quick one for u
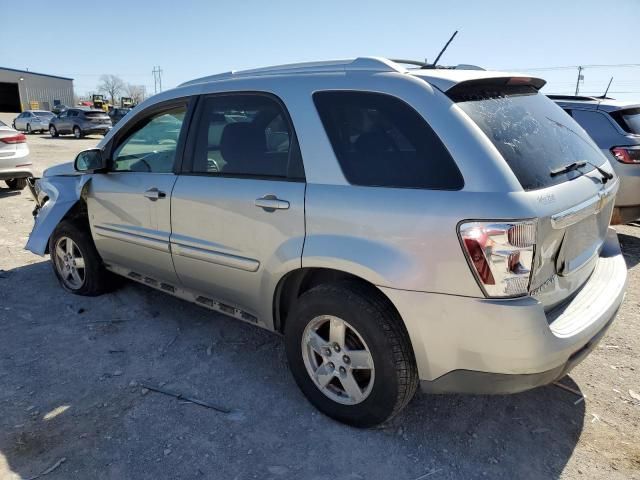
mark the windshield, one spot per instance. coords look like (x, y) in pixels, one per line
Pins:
(534, 136)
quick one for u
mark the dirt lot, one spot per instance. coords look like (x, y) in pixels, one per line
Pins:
(71, 398)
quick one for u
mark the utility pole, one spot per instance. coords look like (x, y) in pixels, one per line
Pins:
(157, 79)
(580, 77)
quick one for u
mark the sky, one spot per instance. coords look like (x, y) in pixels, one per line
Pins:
(190, 39)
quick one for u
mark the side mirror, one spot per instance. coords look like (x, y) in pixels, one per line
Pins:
(90, 160)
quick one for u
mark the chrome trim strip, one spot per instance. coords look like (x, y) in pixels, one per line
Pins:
(136, 239)
(584, 209)
(218, 258)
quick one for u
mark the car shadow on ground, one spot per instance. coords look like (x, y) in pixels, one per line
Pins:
(630, 248)
(71, 376)
(7, 192)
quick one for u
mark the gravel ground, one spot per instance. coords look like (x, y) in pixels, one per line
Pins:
(72, 401)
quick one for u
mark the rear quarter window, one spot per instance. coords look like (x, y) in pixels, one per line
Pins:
(381, 141)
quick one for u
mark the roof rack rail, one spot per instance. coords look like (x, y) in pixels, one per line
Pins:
(375, 64)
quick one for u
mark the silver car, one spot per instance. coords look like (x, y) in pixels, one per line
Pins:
(445, 228)
(615, 127)
(15, 165)
(31, 121)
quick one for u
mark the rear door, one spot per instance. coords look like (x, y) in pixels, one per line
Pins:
(129, 207)
(237, 213)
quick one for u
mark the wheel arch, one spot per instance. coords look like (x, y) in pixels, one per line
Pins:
(296, 282)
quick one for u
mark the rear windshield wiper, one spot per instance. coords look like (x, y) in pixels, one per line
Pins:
(576, 165)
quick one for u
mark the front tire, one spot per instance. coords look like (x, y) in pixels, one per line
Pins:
(52, 131)
(29, 132)
(77, 132)
(76, 262)
(350, 353)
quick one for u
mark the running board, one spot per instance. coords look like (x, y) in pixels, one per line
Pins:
(187, 295)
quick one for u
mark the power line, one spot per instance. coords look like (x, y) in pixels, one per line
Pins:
(573, 67)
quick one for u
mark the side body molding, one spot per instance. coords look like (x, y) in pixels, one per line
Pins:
(63, 192)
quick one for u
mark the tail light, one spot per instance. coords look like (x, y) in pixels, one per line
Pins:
(18, 138)
(500, 255)
(627, 154)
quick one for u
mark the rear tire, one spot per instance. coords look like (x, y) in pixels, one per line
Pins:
(16, 183)
(77, 132)
(385, 380)
(53, 132)
(76, 262)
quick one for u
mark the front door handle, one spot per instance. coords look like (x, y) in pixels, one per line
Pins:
(271, 203)
(154, 194)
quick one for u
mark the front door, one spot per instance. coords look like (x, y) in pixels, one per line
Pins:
(238, 214)
(129, 207)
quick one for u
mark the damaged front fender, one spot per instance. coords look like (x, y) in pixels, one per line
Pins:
(58, 194)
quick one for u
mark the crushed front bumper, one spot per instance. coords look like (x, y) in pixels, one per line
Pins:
(476, 345)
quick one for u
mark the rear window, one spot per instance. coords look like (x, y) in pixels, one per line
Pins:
(94, 114)
(379, 140)
(629, 120)
(43, 114)
(533, 134)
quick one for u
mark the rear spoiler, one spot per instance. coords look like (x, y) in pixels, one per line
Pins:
(494, 86)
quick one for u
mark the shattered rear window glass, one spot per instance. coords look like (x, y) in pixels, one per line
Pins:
(533, 135)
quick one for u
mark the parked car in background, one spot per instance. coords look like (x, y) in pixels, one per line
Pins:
(33, 121)
(117, 113)
(399, 226)
(57, 109)
(15, 166)
(80, 122)
(615, 127)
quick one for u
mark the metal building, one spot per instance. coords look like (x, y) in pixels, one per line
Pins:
(23, 90)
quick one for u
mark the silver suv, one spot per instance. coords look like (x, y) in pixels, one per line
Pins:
(441, 227)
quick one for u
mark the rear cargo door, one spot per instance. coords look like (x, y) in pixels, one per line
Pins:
(539, 142)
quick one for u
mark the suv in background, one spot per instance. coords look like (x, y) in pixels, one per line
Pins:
(80, 122)
(399, 226)
(117, 113)
(615, 127)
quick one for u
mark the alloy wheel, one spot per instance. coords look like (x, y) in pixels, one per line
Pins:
(338, 360)
(69, 263)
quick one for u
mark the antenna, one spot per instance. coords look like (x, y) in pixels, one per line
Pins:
(604, 95)
(435, 62)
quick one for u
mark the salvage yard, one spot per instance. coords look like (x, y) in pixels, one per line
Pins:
(82, 382)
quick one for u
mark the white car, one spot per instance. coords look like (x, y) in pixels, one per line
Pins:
(33, 121)
(15, 166)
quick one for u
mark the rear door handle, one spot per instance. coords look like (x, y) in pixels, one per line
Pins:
(154, 194)
(271, 203)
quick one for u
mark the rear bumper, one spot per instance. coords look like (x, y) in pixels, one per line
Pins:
(475, 345)
(18, 173)
(88, 129)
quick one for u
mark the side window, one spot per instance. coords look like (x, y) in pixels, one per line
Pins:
(151, 147)
(568, 112)
(73, 113)
(379, 140)
(245, 135)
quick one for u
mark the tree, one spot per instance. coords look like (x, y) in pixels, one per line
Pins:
(112, 86)
(137, 92)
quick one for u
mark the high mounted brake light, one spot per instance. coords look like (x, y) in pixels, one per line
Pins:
(500, 255)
